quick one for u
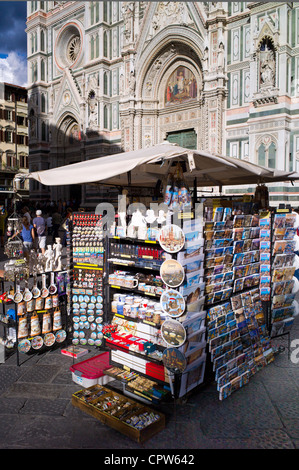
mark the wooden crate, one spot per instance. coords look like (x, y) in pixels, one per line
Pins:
(91, 408)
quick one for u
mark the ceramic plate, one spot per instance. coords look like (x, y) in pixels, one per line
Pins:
(173, 333)
(24, 345)
(37, 342)
(49, 339)
(172, 303)
(174, 360)
(60, 336)
(171, 238)
(172, 273)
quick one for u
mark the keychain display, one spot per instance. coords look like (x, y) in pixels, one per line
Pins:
(88, 239)
(87, 290)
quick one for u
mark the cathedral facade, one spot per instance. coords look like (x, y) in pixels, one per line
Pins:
(106, 77)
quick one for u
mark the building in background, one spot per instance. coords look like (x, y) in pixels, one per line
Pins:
(112, 76)
(13, 139)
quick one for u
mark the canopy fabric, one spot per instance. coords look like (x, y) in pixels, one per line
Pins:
(145, 166)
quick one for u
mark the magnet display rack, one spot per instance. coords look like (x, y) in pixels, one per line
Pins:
(87, 279)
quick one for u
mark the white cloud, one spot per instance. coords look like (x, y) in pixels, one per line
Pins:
(13, 69)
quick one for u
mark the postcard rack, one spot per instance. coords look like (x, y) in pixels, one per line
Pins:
(280, 308)
(237, 334)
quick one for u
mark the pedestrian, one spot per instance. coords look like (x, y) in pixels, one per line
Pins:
(56, 222)
(26, 213)
(28, 236)
(49, 223)
(3, 215)
(66, 224)
(40, 226)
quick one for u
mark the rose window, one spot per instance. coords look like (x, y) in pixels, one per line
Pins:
(73, 48)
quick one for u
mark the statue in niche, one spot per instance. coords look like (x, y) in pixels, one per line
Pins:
(220, 57)
(267, 67)
(92, 119)
(132, 83)
(205, 59)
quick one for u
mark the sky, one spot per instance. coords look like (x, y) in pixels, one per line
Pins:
(13, 42)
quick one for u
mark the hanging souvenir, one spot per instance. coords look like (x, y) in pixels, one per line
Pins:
(57, 325)
(18, 297)
(39, 303)
(37, 342)
(30, 306)
(45, 291)
(21, 308)
(46, 326)
(24, 346)
(171, 238)
(35, 290)
(27, 296)
(172, 303)
(60, 279)
(60, 336)
(173, 333)
(174, 360)
(35, 326)
(168, 190)
(48, 303)
(172, 273)
(49, 339)
(52, 288)
(55, 301)
(23, 327)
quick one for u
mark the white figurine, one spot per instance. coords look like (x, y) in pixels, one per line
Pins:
(49, 255)
(58, 251)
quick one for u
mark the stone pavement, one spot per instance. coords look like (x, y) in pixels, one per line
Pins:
(36, 410)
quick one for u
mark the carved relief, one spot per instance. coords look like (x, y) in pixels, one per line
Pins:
(168, 13)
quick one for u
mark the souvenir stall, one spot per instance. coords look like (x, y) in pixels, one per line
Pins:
(174, 293)
(33, 314)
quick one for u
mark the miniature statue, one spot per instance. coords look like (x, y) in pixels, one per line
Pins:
(49, 256)
(57, 247)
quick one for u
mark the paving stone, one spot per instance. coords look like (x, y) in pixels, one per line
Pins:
(292, 427)
(10, 406)
(42, 432)
(39, 374)
(8, 375)
(31, 390)
(44, 406)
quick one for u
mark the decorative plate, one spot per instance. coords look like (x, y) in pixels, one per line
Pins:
(60, 336)
(37, 342)
(24, 346)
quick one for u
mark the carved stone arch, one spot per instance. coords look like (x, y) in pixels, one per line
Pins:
(64, 128)
(173, 55)
(180, 37)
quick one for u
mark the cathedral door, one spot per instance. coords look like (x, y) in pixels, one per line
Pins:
(185, 138)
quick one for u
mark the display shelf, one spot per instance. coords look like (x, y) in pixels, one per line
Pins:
(135, 240)
(138, 320)
(119, 412)
(135, 291)
(135, 265)
(113, 345)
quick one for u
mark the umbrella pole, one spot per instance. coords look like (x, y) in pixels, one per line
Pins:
(194, 192)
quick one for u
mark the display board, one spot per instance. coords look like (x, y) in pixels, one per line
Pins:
(87, 296)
